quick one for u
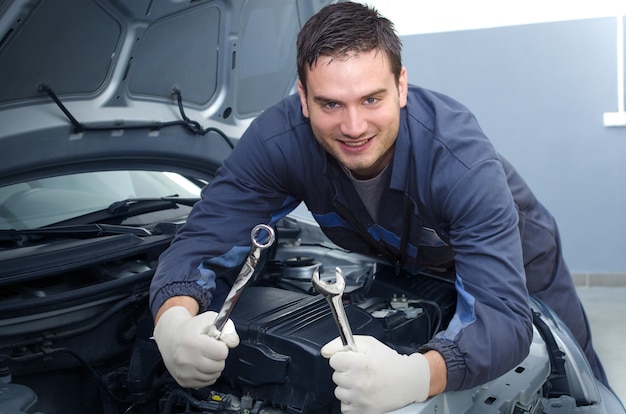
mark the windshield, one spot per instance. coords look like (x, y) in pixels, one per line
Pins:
(42, 202)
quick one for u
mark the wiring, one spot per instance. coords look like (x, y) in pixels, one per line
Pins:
(51, 351)
(192, 126)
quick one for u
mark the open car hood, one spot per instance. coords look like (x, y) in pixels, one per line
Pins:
(164, 85)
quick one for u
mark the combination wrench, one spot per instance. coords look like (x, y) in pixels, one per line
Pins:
(333, 292)
(244, 274)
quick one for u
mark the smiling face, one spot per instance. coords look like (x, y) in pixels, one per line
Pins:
(353, 104)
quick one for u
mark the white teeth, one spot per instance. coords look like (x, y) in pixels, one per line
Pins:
(355, 144)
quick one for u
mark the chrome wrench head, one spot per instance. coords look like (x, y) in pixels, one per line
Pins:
(256, 231)
(333, 292)
(328, 288)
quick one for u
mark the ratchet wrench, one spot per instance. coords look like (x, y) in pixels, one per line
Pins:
(333, 292)
(244, 275)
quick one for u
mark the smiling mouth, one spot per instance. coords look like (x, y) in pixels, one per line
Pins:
(355, 144)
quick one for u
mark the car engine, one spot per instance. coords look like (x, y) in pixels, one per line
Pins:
(75, 334)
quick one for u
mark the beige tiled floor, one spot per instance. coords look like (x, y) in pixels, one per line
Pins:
(606, 310)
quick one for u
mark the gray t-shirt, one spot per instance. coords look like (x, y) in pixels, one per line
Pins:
(370, 190)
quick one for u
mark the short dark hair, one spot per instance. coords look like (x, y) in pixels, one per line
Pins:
(343, 28)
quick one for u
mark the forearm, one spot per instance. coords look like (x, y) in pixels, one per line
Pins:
(187, 302)
(438, 372)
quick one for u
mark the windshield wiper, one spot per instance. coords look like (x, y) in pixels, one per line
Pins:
(130, 207)
(83, 231)
(124, 206)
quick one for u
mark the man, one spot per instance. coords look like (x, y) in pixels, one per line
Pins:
(388, 169)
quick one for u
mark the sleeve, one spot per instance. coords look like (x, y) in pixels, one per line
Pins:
(211, 246)
(491, 330)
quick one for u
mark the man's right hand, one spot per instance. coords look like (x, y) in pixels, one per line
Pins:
(188, 346)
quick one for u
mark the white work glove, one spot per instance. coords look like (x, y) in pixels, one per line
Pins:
(188, 346)
(375, 378)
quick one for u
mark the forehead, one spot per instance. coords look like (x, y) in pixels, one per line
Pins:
(371, 56)
(349, 72)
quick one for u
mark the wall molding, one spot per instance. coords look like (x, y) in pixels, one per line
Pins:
(599, 279)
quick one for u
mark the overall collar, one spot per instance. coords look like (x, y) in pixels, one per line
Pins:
(401, 163)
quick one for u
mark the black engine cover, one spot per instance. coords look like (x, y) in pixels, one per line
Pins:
(282, 332)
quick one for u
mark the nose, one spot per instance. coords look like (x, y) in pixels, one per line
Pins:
(353, 123)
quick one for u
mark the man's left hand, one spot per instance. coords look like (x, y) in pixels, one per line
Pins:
(376, 378)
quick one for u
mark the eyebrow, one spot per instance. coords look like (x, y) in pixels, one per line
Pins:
(322, 99)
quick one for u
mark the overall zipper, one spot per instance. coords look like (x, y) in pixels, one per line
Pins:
(373, 243)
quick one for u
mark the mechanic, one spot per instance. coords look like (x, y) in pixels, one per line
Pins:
(389, 169)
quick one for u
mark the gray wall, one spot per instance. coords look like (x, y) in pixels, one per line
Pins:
(539, 92)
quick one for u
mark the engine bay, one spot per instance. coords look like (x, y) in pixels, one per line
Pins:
(79, 340)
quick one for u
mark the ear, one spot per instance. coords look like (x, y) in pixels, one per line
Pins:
(302, 93)
(403, 87)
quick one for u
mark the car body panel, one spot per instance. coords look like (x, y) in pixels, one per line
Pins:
(116, 65)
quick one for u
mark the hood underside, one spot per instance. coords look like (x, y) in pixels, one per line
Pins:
(91, 83)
